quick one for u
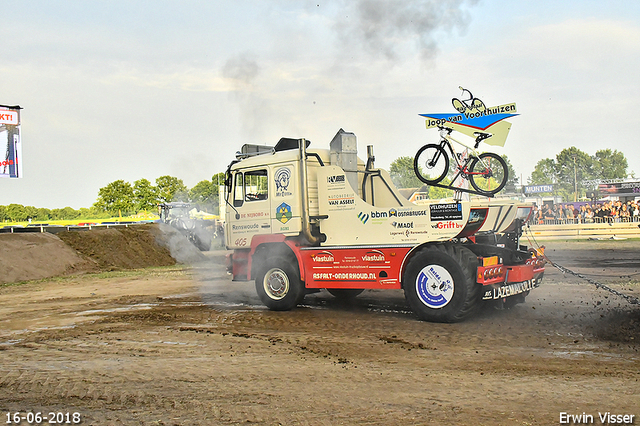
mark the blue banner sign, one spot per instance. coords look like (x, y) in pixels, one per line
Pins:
(536, 189)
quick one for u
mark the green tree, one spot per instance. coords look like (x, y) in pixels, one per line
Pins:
(572, 167)
(544, 173)
(56, 214)
(16, 213)
(116, 198)
(85, 213)
(218, 180)
(513, 179)
(31, 212)
(92, 213)
(145, 195)
(69, 213)
(205, 194)
(435, 192)
(610, 164)
(43, 214)
(402, 174)
(171, 189)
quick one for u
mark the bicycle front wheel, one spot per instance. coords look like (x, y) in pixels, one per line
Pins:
(478, 105)
(488, 173)
(431, 163)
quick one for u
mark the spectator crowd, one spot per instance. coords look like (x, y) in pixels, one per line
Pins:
(600, 212)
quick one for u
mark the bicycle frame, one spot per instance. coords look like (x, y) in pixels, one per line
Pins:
(445, 140)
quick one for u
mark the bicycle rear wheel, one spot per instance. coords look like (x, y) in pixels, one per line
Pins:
(431, 163)
(488, 173)
(458, 105)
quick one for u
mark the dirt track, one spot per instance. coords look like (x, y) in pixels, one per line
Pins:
(179, 346)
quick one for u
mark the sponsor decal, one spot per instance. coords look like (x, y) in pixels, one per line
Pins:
(374, 256)
(376, 217)
(364, 217)
(478, 119)
(448, 211)
(283, 212)
(336, 179)
(409, 232)
(252, 215)
(282, 178)
(446, 225)
(403, 225)
(434, 289)
(323, 256)
(406, 213)
(342, 202)
(244, 227)
(510, 289)
(351, 276)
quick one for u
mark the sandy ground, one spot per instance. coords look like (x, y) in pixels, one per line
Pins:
(178, 345)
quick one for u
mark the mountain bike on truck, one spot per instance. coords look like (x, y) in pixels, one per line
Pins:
(299, 220)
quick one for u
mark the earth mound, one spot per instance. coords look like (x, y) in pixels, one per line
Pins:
(32, 256)
(112, 249)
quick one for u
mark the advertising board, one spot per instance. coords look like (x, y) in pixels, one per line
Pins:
(11, 161)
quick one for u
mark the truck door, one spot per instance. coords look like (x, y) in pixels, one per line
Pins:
(250, 199)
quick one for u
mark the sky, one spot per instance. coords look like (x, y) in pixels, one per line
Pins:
(140, 89)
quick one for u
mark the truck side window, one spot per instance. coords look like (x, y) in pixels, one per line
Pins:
(256, 185)
(238, 190)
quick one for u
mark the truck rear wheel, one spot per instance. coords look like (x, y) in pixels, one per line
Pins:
(278, 284)
(439, 283)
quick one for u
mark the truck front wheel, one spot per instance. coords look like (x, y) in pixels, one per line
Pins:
(439, 283)
(278, 284)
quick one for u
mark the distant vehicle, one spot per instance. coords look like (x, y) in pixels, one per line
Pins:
(178, 215)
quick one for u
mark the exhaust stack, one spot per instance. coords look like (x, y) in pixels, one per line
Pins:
(344, 153)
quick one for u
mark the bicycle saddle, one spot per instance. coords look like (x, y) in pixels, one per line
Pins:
(480, 136)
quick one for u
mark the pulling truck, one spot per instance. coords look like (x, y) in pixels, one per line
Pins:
(299, 220)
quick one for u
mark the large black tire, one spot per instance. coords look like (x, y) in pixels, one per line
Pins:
(345, 293)
(431, 163)
(493, 177)
(278, 284)
(202, 240)
(439, 283)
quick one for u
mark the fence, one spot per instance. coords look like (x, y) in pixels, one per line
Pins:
(606, 220)
(54, 229)
(556, 229)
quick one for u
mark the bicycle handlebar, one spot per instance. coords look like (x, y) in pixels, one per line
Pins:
(466, 90)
